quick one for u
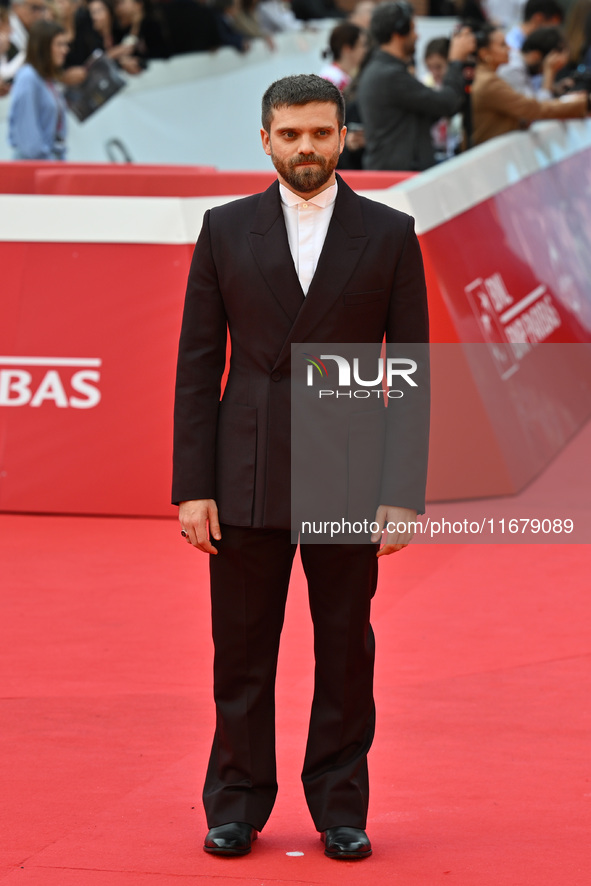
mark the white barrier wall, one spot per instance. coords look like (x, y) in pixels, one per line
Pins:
(201, 109)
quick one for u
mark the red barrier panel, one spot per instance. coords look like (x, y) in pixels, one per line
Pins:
(131, 180)
(85, 395)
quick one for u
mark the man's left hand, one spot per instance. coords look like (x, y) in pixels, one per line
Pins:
(401, 521)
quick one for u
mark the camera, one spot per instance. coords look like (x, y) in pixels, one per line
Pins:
(582, 80)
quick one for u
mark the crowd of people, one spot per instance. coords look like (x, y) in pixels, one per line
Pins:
(482, 81)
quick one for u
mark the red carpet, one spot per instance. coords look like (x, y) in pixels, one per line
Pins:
(480, 769)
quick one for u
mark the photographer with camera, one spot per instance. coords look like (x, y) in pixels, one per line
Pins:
(396, 109)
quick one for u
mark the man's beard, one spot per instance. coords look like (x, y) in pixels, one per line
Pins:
(306, 178)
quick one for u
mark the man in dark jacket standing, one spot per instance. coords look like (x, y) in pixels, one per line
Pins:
(306, 261)
(397, 110)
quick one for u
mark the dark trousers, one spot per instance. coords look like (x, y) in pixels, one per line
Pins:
(249, 582)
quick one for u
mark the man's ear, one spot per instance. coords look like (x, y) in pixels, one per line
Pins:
(342, 135)
(266, 140)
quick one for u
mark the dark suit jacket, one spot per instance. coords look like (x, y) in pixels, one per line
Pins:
(369, 283)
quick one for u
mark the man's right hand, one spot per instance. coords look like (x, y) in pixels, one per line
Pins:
(200, 520)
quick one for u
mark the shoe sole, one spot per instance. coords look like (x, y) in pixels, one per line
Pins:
(348, 856)
(228, 852)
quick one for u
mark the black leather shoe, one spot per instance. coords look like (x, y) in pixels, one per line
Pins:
(346, 842)
(234, 838)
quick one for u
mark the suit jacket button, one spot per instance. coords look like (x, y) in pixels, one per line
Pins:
(276, 376)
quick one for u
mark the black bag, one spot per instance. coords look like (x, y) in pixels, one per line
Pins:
(104, 80)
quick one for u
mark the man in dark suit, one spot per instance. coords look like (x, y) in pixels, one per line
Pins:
(306, 261)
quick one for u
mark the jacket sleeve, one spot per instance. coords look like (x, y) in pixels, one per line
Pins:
(201, 362)
(502, 98)
(404, 475)
(414, 96)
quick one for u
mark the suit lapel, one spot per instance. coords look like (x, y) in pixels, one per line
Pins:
(270, 247)
(344, 245)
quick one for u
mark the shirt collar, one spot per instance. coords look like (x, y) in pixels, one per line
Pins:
(323, 199)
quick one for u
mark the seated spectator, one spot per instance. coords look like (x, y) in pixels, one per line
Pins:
(447, 132)
(347, 48)
(396, 109)
(37, 118)
(229, 35)
(536, 14)
(543, 54)
(11, 58)
(192, 26)
(141, 25)
(496, 107)
(95, 29)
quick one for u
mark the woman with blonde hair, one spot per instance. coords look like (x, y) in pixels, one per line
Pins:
(37, 117)
(496, 107)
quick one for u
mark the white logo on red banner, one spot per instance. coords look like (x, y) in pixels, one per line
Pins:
(62, 382)
(511, 328)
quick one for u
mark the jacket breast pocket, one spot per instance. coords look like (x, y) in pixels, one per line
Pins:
(236, 463)
(362, 298)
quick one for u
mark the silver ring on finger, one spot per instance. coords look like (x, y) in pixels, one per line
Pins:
(184, 533)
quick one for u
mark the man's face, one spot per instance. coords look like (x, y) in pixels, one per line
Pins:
(304, 144)
(410, 41)
(30, 12)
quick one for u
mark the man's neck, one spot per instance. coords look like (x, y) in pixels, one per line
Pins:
(395, 49)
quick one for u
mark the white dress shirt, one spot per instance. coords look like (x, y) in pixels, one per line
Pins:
(307, 222)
